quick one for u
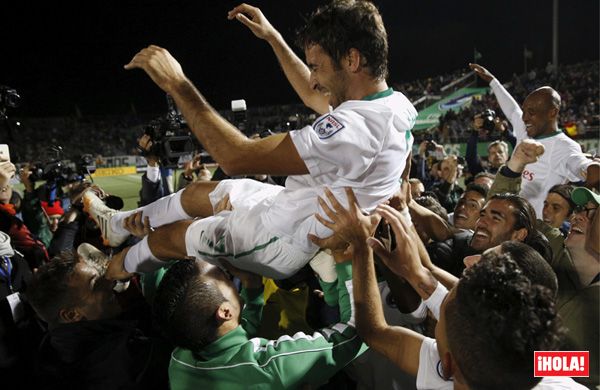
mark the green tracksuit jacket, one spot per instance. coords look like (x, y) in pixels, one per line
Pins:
(237, 361)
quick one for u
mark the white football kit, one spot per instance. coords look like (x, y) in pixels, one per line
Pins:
(362, 144)
(562, 161)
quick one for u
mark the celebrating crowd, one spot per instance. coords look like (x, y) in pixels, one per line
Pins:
(330, 256)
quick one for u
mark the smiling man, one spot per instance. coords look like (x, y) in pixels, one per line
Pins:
(92, 342)
(578, 273)
(503, 217)
(362, 140)
(537, 119)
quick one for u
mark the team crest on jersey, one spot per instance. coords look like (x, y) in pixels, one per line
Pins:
(327, 126)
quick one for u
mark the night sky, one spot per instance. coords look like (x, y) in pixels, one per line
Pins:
(60, 56)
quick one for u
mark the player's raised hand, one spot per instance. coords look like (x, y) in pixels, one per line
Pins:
(254, 19)
(160, 65)
(482, 72)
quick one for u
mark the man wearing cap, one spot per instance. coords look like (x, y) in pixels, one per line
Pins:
(575, 260)
(54, 213)
(578, 275)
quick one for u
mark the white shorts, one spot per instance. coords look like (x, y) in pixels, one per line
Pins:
(239, 236)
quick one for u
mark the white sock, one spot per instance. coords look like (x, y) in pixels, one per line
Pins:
(165, 210)
(140, 258)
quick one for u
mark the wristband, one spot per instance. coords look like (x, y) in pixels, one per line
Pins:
(324, 265)
(434, 302)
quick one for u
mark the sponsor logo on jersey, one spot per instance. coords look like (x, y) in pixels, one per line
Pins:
(528, 175)
(327, 126)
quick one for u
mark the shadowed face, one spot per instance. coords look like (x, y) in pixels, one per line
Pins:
(325, 76)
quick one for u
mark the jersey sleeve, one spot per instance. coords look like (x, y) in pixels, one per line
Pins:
(429, 375)
(571, 162)
(343, 142)
(252, 311)
(511, 109)
(313, 359)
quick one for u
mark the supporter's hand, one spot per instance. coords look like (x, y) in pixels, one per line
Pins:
(7, 172)
(257, 22)
(24, 174)
(477, 122)
(137, 225)
(145, 143)
(248, 279)
(189, 167)
(401, 199)
(350, 226)
(116, 269)
(527, 152)
(404, 260)
(482, 72)
(224, 204)
(160, 65)
(450, 168)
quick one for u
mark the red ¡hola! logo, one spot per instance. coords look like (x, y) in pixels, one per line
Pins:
(561, 363)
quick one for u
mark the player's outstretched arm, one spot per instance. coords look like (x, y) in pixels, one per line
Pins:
(235, 153)
(294, 68)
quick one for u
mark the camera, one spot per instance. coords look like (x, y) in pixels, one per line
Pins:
(170, 137)
(430, 145)
(55, 170)
(9, 97)
(488, 117)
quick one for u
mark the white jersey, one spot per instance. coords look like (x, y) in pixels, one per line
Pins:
(562, 161)
(362, 144)
(430, 376)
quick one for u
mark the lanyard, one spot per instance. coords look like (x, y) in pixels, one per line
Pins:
(6, 270)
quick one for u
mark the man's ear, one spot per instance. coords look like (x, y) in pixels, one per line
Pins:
(66, 316)
(448, 365)
(353, 60)
(224, 312)
(520, 234)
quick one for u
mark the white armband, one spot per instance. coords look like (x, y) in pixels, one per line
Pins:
(324, 265)
(434, 302)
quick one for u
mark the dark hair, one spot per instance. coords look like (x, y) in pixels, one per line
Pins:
(432, 204)
(485, 174)
(185, 305)
(525, 218)
(565, 191)
(524, 212)
(49, 290)
(342, 25)
(532, 263)
(496, 321)
(477, 188)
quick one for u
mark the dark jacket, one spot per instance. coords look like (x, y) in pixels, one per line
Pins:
(103, 354)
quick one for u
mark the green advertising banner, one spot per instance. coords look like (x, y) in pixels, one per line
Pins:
(430, 116)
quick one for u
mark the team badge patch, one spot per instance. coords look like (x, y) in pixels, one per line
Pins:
(327, 126)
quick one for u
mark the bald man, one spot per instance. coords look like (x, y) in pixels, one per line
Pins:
(562, 160)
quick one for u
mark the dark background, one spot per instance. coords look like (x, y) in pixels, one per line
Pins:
(60, 56)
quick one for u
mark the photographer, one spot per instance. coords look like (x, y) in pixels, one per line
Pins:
(425, 164)
(448, 191)
(157, 181)
(21, 237)
(193, 170)
(487, 123)
(37, 220)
